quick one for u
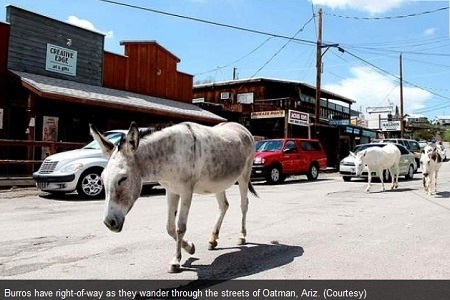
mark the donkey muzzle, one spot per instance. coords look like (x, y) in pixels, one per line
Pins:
(114, 223)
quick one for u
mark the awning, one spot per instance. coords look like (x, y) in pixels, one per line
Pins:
(75, 92)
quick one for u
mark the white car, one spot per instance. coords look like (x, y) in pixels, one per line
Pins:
(407, 163)
(78, 170)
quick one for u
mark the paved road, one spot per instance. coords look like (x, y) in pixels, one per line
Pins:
(328, 229)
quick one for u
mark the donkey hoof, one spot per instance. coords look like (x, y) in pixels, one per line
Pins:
(241, 241)
(212, 245)
(191, 248)
(174, 268)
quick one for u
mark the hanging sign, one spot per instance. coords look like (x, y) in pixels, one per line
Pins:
(61, 60)
(390, 125)
(298, 118)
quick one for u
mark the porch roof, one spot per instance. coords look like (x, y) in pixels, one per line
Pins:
(75, 92)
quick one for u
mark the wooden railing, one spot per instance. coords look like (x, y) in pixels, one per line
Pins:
(31, 145)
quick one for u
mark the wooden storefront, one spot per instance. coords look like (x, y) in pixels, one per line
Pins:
(59, 74)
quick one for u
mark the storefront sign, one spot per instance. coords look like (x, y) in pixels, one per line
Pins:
(390, 125)
(198, 100)
(298, 118)
(339, 122)
(268, 114)
(61, 60)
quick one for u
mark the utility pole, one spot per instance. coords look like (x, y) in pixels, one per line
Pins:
(318, 74)
(234, 73)
(402, 127)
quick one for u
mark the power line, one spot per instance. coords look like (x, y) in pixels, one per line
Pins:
(208, 22)
(236, 61)
(282, 47)
(389, 17)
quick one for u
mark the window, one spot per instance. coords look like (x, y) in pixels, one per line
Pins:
(225, 95)
(291, 146)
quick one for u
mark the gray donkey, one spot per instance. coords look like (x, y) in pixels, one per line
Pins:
(186, 158)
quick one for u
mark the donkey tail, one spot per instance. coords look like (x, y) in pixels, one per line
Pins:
(252, 189)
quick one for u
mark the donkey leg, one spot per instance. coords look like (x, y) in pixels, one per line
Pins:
(369, 179)
(172, 201)
(397, 172)
(381, 172)
(243, 189)
(223, 207)
(435, 181)
(180, 231)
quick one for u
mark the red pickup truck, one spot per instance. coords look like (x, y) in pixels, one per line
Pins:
(276, 159)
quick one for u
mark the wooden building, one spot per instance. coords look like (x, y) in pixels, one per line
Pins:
(56, 78)
(273, 108)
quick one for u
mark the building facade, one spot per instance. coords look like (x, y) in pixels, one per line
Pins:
(56, 78)
(273, 108)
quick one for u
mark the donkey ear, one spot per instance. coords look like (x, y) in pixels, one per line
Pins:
(132, 139)
(104, 143)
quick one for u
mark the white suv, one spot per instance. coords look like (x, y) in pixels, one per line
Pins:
(78, 170)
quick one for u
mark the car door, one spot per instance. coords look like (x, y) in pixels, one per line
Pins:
(290, 156)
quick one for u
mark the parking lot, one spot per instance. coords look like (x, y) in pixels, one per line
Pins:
(325, 229)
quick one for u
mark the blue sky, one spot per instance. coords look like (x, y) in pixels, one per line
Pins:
(366, 71)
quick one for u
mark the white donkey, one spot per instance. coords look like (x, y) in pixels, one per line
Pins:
(378, 159)
(186, 158)
(430, 162)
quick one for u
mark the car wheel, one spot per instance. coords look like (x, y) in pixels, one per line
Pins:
(410, 174)
(275, 175)
(90, 184)
(313, 172)
(346, 178)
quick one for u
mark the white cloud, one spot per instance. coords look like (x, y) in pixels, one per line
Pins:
(74, 20)
(371, 6)
(370, 88)
(430, 31)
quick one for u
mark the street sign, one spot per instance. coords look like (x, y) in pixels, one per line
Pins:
(390, 125)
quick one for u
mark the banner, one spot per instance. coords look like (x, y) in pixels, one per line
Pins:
(49, 133)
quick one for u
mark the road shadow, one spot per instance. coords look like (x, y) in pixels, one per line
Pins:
(443, 194)
(249, 259)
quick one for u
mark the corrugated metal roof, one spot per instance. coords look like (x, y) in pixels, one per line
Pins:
(48, 86)
(325, 93)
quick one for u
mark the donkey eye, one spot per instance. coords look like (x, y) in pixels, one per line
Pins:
(122, 180)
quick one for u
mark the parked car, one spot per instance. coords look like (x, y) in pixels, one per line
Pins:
(406, 166)
(78, 170)
(276, 159)
(411, 145)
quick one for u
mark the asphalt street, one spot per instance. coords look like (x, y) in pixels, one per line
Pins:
(327, 229)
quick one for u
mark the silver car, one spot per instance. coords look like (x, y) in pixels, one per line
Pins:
(407, 163)
(77, 170)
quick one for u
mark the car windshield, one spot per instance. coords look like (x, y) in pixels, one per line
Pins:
(365, 146)
(269, 146)
(113, 137)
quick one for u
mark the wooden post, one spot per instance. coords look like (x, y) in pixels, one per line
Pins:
(402, 128)
(30, 131)
(318, 73)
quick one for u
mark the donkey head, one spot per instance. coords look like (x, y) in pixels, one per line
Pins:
(359, 161)
(428, 160)
(121, 176)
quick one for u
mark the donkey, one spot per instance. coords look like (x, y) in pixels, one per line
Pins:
(378, 159)
(185, 158)
(431, 162)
